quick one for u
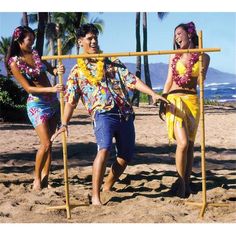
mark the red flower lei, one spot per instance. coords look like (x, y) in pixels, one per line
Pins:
(185, 79)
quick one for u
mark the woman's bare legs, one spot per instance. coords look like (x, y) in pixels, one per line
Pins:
(42, 154)
(181, 157)
(189, 167)
(47, 164)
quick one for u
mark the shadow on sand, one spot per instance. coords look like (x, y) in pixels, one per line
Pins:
(82, 155)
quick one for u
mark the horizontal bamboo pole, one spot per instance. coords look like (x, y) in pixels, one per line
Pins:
(129, 54)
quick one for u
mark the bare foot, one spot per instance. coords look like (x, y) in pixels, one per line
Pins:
(106, 189)
(96, 202)
(37, 185)
(107, 186)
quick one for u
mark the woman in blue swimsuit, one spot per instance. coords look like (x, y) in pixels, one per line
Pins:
(42, 105)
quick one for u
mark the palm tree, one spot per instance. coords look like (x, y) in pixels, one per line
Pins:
(69, 23)
(145, 58)
(42, 21)
(51, 36)
(135, 98)
(40, 18)
(160, 15)
(4, 45)
(25, 21)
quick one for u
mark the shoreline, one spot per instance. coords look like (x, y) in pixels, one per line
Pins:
(212, 105)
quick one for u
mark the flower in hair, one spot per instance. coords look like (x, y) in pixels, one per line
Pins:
(17, 33)
(191, 28)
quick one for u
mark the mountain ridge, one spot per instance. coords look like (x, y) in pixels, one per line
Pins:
(158, 73)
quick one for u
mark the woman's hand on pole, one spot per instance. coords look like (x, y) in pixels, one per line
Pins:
(62, 129)
(58, 88)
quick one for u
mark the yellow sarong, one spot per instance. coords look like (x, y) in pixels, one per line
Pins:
(185, 110)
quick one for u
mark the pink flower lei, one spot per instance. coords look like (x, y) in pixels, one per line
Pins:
(33, 72)
(185, 79)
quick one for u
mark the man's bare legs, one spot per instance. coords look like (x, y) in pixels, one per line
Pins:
(99, 167)
(117, 169)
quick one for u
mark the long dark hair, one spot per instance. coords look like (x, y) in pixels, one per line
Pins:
(18, 37)
(190, 29)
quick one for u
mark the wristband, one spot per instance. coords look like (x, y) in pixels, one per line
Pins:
(64, 125)
(164, 95)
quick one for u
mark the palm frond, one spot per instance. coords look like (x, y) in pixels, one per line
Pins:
(162, 15)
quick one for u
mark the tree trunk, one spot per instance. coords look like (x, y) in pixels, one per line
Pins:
(145, 58)
(135, 99)
(42, 20)
(25, 19)
(78, 21)
(51, 45)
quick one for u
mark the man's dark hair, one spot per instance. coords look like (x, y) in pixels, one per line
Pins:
(85, 29)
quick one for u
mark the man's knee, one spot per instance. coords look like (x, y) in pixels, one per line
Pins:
(122, 161)
(103, 153)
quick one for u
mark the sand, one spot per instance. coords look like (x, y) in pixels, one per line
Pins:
(142, 194)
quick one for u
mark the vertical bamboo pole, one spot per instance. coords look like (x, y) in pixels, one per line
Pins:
(204, 202)
(64, 145)
(202, 121)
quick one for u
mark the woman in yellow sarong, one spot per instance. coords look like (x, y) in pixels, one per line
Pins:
(182, 116)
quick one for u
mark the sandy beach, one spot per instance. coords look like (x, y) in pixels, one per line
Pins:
(142, 195)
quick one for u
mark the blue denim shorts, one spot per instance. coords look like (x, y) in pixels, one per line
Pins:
(108, 125)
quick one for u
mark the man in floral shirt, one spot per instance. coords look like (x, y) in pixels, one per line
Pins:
(104, 85)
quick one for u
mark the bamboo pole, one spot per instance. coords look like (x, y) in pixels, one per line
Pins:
(204, 202)
(202, 122)
(128, 54)
(64, 145)
(68, 206)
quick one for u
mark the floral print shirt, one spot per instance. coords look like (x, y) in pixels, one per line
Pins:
(114, 87)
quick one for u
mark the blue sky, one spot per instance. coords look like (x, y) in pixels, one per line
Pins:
(219, 30)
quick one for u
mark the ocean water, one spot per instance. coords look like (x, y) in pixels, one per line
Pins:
(220, 92)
